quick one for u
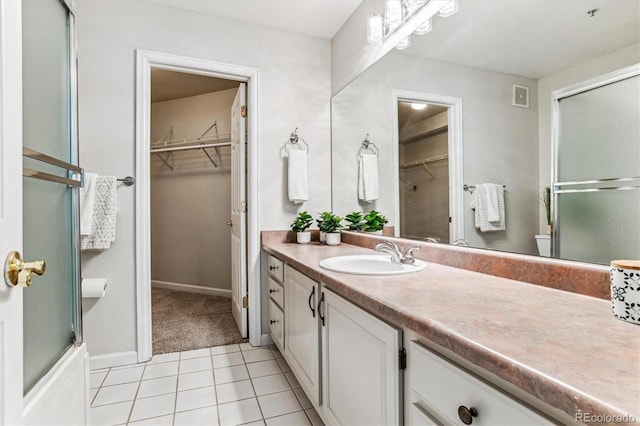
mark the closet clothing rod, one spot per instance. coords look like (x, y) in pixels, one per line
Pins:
(190, 147)
(426, 160)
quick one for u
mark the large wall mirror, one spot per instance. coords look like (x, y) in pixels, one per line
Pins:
(478, 117)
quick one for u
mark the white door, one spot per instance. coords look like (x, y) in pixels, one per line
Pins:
(238, 212)
(10, 209)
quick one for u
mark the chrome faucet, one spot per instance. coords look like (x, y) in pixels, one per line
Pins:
(397, 256)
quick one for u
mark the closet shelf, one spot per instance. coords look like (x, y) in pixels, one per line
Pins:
(191, 143)
(424, 161)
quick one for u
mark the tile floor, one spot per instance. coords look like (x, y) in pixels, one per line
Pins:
(223, 385)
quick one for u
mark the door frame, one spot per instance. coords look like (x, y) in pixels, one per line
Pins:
(456, 205)
(145, 59)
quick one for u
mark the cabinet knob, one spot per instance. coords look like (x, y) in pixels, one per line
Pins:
(271, 268)
(273, 290)
(273, 321)
(467, 414)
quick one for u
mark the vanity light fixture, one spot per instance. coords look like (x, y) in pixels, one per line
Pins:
(417, 106)
(396, 13)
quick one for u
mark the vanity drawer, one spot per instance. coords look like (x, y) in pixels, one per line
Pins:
(442, 389)
(276, 269)
(276, 292)
(276, 324)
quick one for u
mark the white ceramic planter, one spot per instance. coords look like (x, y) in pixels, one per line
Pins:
(303, 237)
(323, 237)
(333, 239)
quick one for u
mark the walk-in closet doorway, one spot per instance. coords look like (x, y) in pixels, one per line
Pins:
(193, 277)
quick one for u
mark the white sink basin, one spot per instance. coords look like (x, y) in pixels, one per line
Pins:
(370, 264)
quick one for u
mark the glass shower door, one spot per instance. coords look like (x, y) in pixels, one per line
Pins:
(597, 185)
(50, 211)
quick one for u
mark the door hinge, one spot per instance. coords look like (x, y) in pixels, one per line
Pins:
(402, 359)
(449, 219)
(245, 302)
(243, 207)
(243, 111)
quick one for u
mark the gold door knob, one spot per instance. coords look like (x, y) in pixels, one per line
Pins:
(17, 272)
(230, 224)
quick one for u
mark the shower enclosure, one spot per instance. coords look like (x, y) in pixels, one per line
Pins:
(596, 190)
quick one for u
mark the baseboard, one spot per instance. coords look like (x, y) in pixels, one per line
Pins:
(266, 339)
(191, 288)
(115, 359)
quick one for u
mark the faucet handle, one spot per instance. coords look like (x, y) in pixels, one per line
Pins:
(407, 255)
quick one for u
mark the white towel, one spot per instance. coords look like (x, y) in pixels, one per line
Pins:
(87, 197)
(488, 202)
(368, 177)
(105, 207)
(298, 191)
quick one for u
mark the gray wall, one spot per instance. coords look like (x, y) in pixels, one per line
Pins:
(294, 91)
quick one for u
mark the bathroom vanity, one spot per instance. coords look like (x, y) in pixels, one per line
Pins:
(448, 345)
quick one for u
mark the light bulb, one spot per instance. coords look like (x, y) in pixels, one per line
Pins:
(392, 14)
(375, 29)
(412, 6)
(404, 43)
(450, 8)
(417, 106)
(423, 28)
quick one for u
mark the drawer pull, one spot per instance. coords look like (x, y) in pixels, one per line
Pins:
(271, 268)
(273, 290)
(467, 414)
(274, 321)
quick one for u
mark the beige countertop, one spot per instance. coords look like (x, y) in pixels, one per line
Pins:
(565, 349)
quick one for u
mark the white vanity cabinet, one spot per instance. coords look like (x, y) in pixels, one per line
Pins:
(276, 301)
(302, 331)
(441, 392)
(361, 374)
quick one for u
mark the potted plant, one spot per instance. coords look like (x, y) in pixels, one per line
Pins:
(374, 222)
(546, 199)
(331, 225)
(355, 221)
(324, 216)
(300, 226)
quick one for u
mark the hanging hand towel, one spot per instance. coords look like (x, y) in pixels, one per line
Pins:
(298, 192)
(105, 207)
(368, 177)
(488, 203)
(87, 197)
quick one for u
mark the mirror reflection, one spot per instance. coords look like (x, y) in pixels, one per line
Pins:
(500, 81)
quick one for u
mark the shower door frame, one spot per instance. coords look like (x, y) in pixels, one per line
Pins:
(556, 97)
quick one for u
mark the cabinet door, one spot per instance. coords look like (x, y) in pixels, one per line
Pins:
(361, 375)
(302, 334)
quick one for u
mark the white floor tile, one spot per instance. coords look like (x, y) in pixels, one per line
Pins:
(156, 421)
(277, 404)
(314, 417)
(173, 356)
(217, 350)
(123, 375)
(196, 353)
(153, 371)
(195, 364)
(257, 355)
(293, 419)
(154, 406)
(112, 414)
(239, 412)
(196, 398)
(292, 380)
(198, 379)
(227, 360)
(283, 364)
(230, 374)
(247, 347)
(303, 399)
(101, 370)
(263, 368)
(116, 393)
(207, 416)
(234, 391)
(270, 384)
(256, 423)
(97, 379)
(159, 386)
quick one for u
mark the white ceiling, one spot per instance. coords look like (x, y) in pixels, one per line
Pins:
(530, 38)
(318, 18)
(169, 85)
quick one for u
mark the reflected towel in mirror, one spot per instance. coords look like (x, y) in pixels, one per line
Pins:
(488, 202)
(368, 177)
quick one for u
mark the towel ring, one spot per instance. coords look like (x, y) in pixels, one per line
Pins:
(367, 145)
(293, 140)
